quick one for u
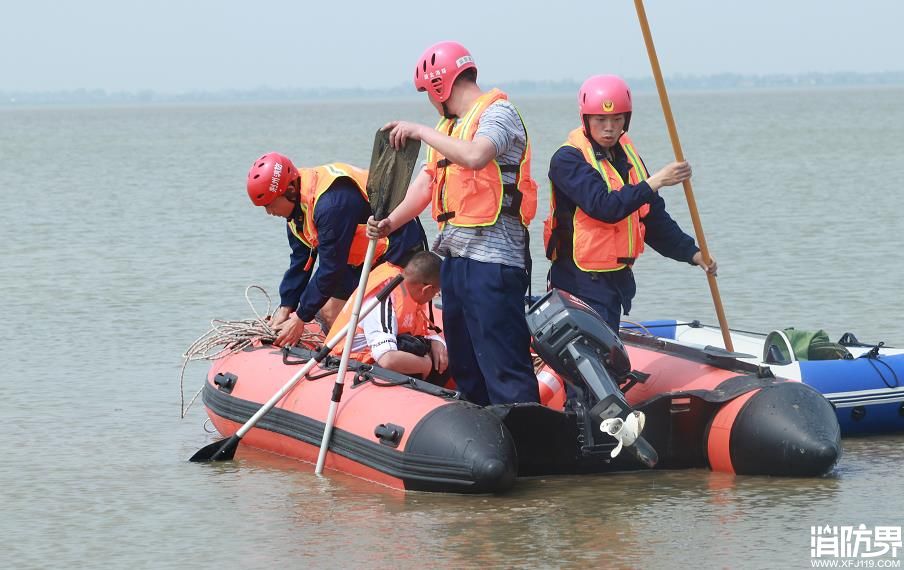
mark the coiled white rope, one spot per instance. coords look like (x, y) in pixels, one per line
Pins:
(225, 338)
(228, 337)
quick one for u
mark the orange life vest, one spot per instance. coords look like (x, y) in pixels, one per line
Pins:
(597, 245)
(409, 314)
(473, 198)
(316, 181)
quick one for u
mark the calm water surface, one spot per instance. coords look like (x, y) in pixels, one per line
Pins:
(124, 230)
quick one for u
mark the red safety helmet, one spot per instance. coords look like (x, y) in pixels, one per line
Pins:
(604, 95)
(438, 68)
(269, 178)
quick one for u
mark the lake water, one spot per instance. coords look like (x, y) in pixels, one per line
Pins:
(125, 230)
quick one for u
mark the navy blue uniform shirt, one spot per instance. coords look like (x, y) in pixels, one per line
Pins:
(577, 183)
(338, 212)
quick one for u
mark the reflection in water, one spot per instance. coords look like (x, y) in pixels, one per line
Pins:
(629, 519)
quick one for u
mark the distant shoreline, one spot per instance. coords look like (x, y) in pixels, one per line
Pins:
(717, 82)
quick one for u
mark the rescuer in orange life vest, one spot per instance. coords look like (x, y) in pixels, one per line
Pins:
(326, 208)
(399, 334)
(605, 206)
(478, 180)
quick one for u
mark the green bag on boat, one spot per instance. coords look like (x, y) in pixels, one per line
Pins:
(814, 345)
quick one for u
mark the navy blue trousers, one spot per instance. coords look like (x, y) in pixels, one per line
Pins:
(611, 312)
(486, 332)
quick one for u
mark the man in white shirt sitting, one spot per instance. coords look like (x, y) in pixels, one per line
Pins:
(399, 334)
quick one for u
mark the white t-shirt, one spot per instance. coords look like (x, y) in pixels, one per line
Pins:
(380, 327)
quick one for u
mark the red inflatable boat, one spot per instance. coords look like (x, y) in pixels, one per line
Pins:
(701, 408)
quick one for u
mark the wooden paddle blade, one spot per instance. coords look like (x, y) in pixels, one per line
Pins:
(389, 174)
(223, 450)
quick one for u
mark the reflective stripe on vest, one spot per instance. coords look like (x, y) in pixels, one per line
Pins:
(472, 198)
(596, 245)
(316, 181)
(409, 314)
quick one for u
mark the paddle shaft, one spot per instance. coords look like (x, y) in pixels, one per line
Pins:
(380, 194)
(224, 450)
(346, 353)
(679, 156)
(301, 373)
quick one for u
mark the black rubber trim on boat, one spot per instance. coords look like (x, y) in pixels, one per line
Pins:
(717, 357)
(418, 471)
(391, 377)
(773, 433)
(730, 388)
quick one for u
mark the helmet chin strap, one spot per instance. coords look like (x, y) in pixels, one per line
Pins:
(595, 144)
(446, 113)
(297, 212)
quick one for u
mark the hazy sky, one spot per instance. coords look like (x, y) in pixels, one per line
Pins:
(174, 46)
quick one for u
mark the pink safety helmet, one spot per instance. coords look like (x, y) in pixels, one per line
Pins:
(604, 95)
(438, 67)
(269, 178)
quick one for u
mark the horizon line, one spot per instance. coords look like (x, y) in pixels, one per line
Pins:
(718, 81)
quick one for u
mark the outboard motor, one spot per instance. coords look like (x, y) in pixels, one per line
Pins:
(572, 338)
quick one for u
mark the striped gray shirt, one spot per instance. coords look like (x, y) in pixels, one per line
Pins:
(504, 241)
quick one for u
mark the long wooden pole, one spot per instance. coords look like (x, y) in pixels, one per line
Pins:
(679, 156)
